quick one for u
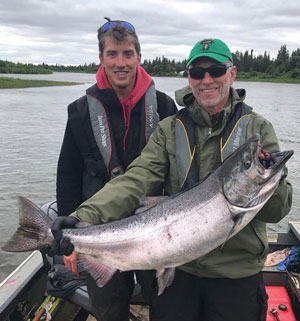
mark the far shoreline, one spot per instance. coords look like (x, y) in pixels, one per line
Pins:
(250, 79)
(14, 83)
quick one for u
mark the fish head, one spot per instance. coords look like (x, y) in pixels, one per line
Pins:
(247, 181)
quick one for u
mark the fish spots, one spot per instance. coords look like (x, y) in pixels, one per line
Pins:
(169, 235)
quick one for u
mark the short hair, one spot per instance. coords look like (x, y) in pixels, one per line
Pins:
(118, 33)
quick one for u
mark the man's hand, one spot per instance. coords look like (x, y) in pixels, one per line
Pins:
(71, 262)
(61, 246)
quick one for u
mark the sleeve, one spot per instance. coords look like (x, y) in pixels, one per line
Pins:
(280, 203)
(69, 175)
(120, 196)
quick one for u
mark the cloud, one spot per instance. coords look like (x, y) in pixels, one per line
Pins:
(65, 32)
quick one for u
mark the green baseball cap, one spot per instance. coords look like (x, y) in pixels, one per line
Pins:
(213, 48)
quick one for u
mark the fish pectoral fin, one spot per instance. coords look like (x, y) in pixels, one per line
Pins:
(148, 202)
(99, 272)
(165, 278)
(82, 224)
(237, 219)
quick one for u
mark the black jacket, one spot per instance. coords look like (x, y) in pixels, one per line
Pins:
(79, 176)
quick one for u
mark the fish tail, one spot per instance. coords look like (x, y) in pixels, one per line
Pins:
(33, 232)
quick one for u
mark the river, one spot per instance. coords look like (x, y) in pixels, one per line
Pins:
(32, 124)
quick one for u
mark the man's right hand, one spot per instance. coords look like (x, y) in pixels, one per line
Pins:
(61, 246)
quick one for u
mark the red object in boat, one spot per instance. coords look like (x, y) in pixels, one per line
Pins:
(278, 295)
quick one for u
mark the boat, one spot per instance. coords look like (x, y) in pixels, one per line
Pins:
(288, 282)
(23, 295)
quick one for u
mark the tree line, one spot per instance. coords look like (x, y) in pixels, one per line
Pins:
(285, 65)
(8, 67)
(248, 65)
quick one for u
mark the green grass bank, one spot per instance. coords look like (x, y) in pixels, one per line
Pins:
(7, 82)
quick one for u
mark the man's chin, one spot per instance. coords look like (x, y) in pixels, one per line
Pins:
(121, 85)
(209, 106)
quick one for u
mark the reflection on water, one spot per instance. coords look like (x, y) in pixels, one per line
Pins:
(32, 123)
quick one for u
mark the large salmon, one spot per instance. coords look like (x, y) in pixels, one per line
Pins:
(176, 230)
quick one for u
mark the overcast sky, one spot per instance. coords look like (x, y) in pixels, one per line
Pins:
(65, 31)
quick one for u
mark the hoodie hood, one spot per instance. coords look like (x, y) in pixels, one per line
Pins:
(142, 83)
(181, 93)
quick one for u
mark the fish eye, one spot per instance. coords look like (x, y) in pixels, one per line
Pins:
(247, 163)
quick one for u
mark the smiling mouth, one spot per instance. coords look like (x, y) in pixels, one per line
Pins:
(121, 73)
(207, 91)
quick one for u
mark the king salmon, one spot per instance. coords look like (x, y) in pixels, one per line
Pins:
(176, 230)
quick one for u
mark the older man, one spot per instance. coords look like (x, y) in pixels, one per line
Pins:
(225, 284)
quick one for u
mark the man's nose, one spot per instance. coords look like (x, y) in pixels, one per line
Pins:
(207, 78)
(121, 61)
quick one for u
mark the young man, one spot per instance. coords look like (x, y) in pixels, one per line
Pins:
(106, 130)
(225, 284)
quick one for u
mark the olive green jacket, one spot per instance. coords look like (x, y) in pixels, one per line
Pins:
(244, 254)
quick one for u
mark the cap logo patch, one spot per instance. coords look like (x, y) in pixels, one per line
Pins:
(206, 43)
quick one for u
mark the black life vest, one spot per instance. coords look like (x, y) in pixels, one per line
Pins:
(233, 136)
(103, 134)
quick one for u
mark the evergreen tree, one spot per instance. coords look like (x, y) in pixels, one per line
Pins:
(282, 59)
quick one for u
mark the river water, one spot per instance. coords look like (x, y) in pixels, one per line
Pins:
(32, 123)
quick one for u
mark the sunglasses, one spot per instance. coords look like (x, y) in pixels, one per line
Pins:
(214, 71)
(110, 24)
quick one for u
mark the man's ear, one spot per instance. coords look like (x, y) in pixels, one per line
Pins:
(139, 56)
(233, 72)
(100, 58)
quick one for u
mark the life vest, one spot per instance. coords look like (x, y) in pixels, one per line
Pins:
(233, 136)
(101, 126)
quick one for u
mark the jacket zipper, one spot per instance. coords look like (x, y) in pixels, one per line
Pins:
(127, 124)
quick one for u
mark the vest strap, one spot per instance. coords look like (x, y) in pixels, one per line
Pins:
(151, 113)
(93, 166)
(103, 136)
(185, 148)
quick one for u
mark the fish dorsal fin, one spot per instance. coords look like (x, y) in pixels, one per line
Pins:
(237, 219)
(99, 272)
(148, 202)
(165, 278)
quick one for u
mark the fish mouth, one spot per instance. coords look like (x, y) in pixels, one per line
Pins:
(269, 166)
(256, 176)
(270, 173)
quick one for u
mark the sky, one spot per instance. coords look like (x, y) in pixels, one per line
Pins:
(65, 31)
